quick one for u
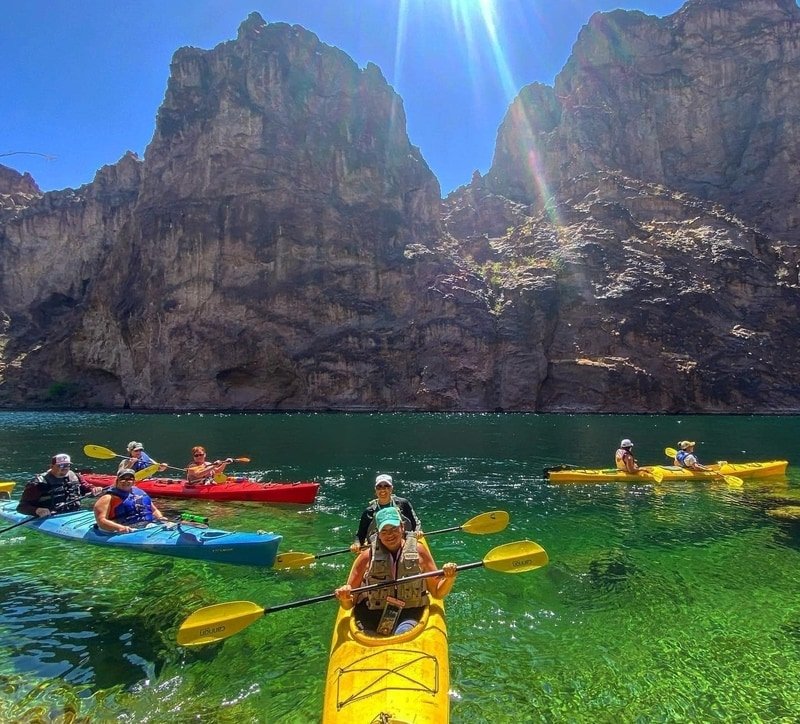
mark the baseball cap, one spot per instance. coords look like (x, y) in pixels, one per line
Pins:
(626, 443)
(62, 460)
(133, 445)
(387, 516)
(126, 474)
(683, 444)
(384, 479)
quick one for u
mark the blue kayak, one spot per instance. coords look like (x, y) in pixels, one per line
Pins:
(183, 541)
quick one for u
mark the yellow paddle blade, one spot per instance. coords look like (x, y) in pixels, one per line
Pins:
(670, 452)
(519, 557)
(733, 481)
(293, 559)
(491, 522)
(656, 473)
(215, 623)
(147, 472)
(97, 451)
(220, 478)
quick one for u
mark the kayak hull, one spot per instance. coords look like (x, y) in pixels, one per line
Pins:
(184, 541)
(403, 678)
(238, 489)
(741, 470)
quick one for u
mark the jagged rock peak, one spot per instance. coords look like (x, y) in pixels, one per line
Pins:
(251, 27)
(14, 182)
(705, 100)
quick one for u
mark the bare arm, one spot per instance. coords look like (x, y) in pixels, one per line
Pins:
(102, 507)
(438, 586)
(359, 570)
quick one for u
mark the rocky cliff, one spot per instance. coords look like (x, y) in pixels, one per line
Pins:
(282, 245)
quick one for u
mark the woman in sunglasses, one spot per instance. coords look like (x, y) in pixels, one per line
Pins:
(386, 498)
(202, 472)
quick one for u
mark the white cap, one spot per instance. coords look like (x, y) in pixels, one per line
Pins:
(384, 479)
(62, 459)
(626, 443)
(133, 445)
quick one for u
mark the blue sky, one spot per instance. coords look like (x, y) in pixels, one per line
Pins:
(82, 81)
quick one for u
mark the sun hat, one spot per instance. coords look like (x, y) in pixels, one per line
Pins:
(387, 516)
(683, 444)
(384, 479)
(626, 443)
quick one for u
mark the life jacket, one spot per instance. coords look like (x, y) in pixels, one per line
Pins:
(680, 458)
(382, 568)
(59, 494)
(127, 508)
(619, 458)
(143, 462)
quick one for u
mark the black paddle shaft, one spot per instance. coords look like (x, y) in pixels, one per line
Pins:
(373, 587)
(346, 550)
(36, 517)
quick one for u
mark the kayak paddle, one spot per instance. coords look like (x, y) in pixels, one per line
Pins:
(215, 623)
(147, 472)
(732, 480)
(483, 524)
(103, 453)
(654, 472)
(221, 477)
(36, 517)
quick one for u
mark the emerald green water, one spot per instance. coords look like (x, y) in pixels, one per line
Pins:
(665, 603)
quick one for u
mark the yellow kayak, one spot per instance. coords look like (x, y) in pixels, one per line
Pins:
(6, 488)
(610, 475)
(385, 679)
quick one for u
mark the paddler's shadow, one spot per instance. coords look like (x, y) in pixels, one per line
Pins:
(611, 571)
(787, 532)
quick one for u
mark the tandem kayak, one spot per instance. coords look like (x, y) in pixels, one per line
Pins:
(241, 489)
(403, 678)
(671, 472)
(183, 541)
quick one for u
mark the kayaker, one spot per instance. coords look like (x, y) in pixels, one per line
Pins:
(384, 490)
(139, 459)
(686, 458)
(624, 459)
(56, 491)
(393, 555)
(120, 507)
(200, 472)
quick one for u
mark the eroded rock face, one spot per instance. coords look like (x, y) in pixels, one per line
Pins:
(704, 101)
(282, 245)
(659, 301)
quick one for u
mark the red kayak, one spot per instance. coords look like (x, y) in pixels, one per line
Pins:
(241, 489)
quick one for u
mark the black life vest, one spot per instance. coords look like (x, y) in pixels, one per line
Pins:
(60, 495)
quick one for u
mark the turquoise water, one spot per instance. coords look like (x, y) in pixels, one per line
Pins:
(675, 602)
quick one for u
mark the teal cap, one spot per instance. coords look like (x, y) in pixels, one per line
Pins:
(387, 516)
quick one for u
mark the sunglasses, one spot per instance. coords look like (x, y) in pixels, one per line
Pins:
(199, 455)
(382, 485)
